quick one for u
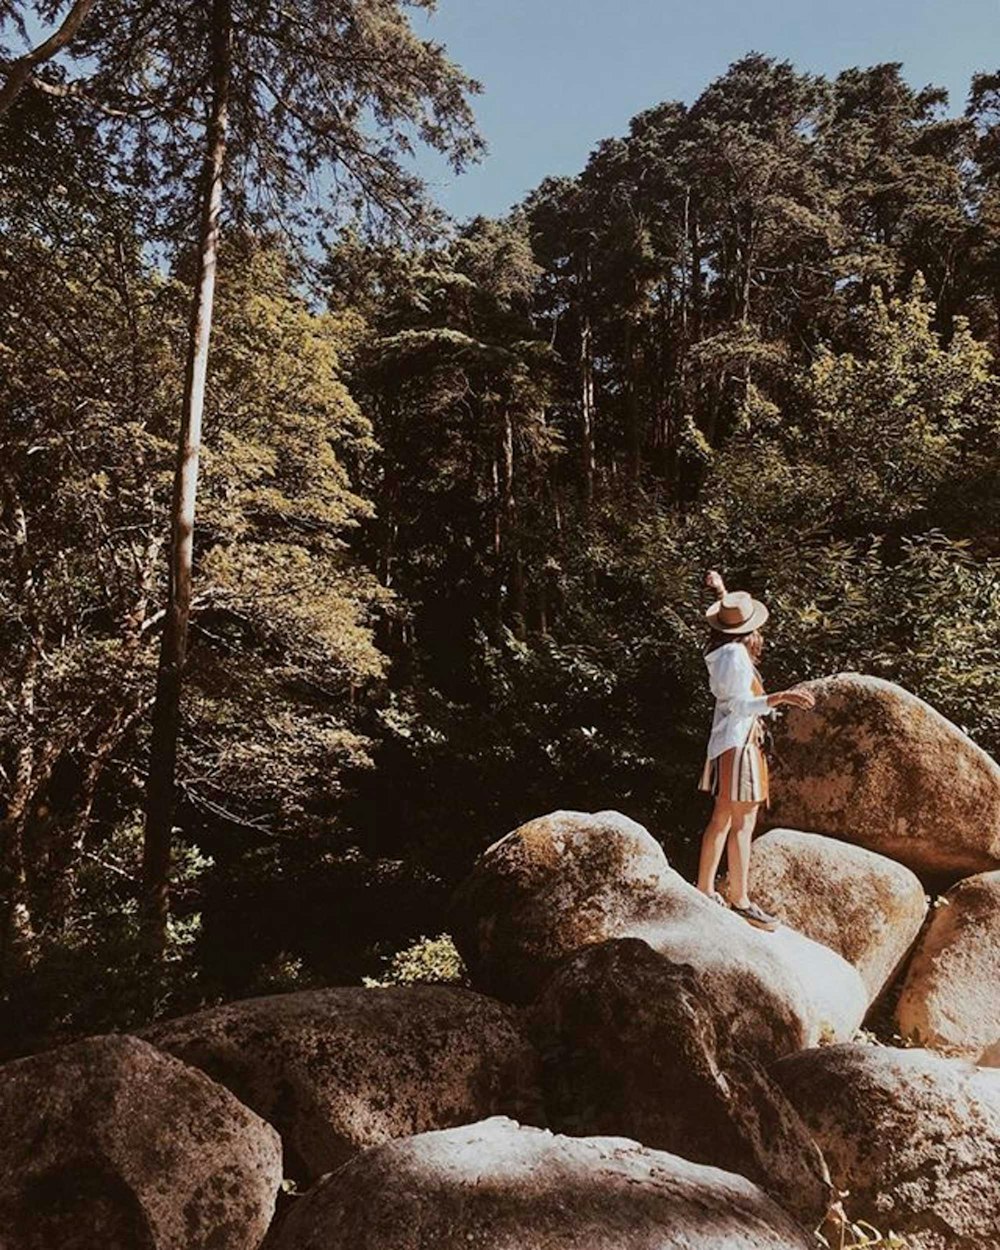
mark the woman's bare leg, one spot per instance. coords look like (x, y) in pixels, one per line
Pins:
(713, 841)
(738, 852)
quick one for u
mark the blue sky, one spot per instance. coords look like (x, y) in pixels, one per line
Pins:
(560, 75)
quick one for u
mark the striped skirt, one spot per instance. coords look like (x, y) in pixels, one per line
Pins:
(739, 774)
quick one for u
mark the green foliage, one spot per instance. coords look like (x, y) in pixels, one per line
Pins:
(454, 523)
(92, 975)
(433, 961)
(284, 633)
(863, 514)
(283, 621)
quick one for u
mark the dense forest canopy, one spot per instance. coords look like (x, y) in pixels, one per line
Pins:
(458, 494)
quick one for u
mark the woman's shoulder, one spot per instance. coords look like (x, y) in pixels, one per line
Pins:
(729, 652)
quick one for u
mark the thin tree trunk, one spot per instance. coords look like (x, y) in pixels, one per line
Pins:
(160, 789)
(498, 569)
(697, 274)
(633, 435)
(996, 313)
(16, 929)
(511, 537)
(587, 385)
(684, 262)
(18, 73)
(746, 247)
(747, 252)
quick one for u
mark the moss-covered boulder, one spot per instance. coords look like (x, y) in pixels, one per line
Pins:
(913, 1138)
(632, 1047)
(504, 1187)
(875, 765)
(552, 886)
(109, 1144)
(949, 1000)
(865, 906)
(570, 880)
(337, 1070)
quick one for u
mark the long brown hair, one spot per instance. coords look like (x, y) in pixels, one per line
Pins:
(754, 643)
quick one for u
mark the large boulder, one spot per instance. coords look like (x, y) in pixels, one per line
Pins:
(864, 906)
(337, 1070)
(553, 885)
(912, 1137)
(110, 1143)
(632, 1048)
(501, 1186)
(875, 765)
(570, 880)
(949, 1000)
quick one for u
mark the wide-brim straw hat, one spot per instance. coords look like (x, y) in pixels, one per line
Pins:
(736, 613)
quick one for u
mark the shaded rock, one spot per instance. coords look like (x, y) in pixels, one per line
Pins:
(337, 1070)
(875, 765)
(109, 1143)
(864, 906)
(949, 1000)
(571, 879)
(632, 1048)
(501, 1186)
(990, 1058)
(914, 1138)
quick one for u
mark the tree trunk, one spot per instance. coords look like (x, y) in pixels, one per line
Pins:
(498, 569)
(16, 929)
(996, 313)
(512, 540)
(160, 788)
(697, 273)
(587, 385)
(633, 434)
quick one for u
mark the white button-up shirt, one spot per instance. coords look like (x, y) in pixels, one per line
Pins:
(731, 674)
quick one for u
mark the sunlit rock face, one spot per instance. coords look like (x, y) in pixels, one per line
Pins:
(572, 879)
(875, 765)
(950, 1000)
(914, 1138)
(865, 906)
(499, 1185)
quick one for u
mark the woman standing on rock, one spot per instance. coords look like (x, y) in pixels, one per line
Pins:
(736, 768)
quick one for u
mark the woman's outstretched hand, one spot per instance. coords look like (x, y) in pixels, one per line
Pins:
(796, 697)
(714, 582)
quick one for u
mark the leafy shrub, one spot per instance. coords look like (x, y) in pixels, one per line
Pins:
(432, 961)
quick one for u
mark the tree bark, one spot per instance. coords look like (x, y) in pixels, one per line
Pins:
(18, 73)
(697, 283)
(587, 384)
(161, 781)
(511, 537)
(633, 433)
(996, 313)
(16, 928)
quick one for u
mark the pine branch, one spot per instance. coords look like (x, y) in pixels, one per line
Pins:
(20, 72)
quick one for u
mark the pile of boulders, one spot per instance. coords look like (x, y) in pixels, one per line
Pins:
(639, 1068)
